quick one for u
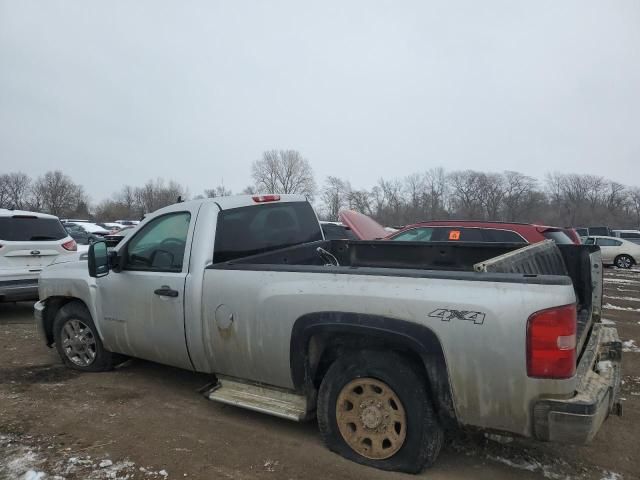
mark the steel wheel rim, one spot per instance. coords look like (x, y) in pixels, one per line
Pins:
(371, 418)
(624, 262)
(78, 343)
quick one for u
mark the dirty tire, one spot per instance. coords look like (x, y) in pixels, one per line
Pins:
(423, 437)
(103, 360)
(624, 261)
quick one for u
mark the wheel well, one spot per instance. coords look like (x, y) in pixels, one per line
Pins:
(53, 305)
(317, 341)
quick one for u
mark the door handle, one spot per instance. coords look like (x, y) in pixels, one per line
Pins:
(166, 292)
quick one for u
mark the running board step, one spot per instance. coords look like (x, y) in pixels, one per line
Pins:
(260, 398)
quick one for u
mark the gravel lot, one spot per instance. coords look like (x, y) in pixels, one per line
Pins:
(146, 420)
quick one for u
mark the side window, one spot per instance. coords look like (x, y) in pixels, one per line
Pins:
(629, 235)
(590, 241)
(415, 235)
(609, 242)
(502, 236)
(159, 246)
(457, 234)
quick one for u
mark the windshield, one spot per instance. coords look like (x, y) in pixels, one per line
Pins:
(20, 229)
(246, 231)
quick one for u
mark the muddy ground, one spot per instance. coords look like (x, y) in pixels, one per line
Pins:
(146, 420)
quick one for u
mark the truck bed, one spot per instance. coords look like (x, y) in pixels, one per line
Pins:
(542, 263)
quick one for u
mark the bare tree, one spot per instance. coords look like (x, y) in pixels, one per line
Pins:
(634, 203)
(436, 191)
(360, 200)
(518, 190)
(57, 194)
(156, 194)
(219, 191)
(335, 196)
(491, 194)
(466, 186)
(283, 171)
(4, 191)
(15, 190)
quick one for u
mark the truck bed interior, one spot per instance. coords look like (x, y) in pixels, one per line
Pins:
(553, 264)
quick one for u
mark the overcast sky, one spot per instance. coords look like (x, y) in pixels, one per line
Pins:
(116, 93)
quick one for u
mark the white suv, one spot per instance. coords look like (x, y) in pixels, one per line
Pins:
(28, 242)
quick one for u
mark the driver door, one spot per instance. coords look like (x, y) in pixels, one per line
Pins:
(143, 304)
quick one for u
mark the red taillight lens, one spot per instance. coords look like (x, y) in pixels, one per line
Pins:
(265, 198)
(551, 343)
(71, 245)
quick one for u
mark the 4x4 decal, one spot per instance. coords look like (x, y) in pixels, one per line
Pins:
(448, 315)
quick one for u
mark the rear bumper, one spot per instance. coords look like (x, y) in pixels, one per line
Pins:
(578, 419)
(19, 290)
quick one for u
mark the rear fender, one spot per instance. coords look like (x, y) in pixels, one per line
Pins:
(315, 333)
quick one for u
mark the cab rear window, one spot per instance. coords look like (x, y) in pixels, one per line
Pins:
(27, 228)
(246, 231)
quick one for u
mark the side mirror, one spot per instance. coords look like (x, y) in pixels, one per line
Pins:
(98, 259)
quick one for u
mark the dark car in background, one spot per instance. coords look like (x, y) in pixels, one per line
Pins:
(337, 231)
(630, 235)
(114, 239)
(79, 234)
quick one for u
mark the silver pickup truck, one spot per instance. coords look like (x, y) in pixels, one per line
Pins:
(388, 344)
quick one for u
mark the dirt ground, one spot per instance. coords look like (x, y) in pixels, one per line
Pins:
(146, 420)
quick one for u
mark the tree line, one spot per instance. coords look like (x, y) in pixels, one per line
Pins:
(558, 199)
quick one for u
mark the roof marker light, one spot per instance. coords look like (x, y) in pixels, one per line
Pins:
(265, 198)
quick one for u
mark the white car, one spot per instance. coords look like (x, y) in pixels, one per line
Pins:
(28, 242)
(616, 251)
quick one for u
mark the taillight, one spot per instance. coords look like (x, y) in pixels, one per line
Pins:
(71, 245)
(265, 198)
(551, 343)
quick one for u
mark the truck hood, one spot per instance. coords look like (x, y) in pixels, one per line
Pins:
(364, 227)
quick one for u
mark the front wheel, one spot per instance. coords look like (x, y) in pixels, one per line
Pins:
(374, 409)
(624, 261)
(77, 340)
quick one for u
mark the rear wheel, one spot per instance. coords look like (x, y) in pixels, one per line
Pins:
(623, 261)
(374, 409)
(77, 340)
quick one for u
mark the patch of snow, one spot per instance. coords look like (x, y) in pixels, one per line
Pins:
(270, 465)
(609, 306)
(604, 366)
(630, 346)
(531, 465)
(629, 299)
(607, 322)
(20, 462)
(33, 475)
(622, 281)
(105, 463)
(626, 290)
(611, 476)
